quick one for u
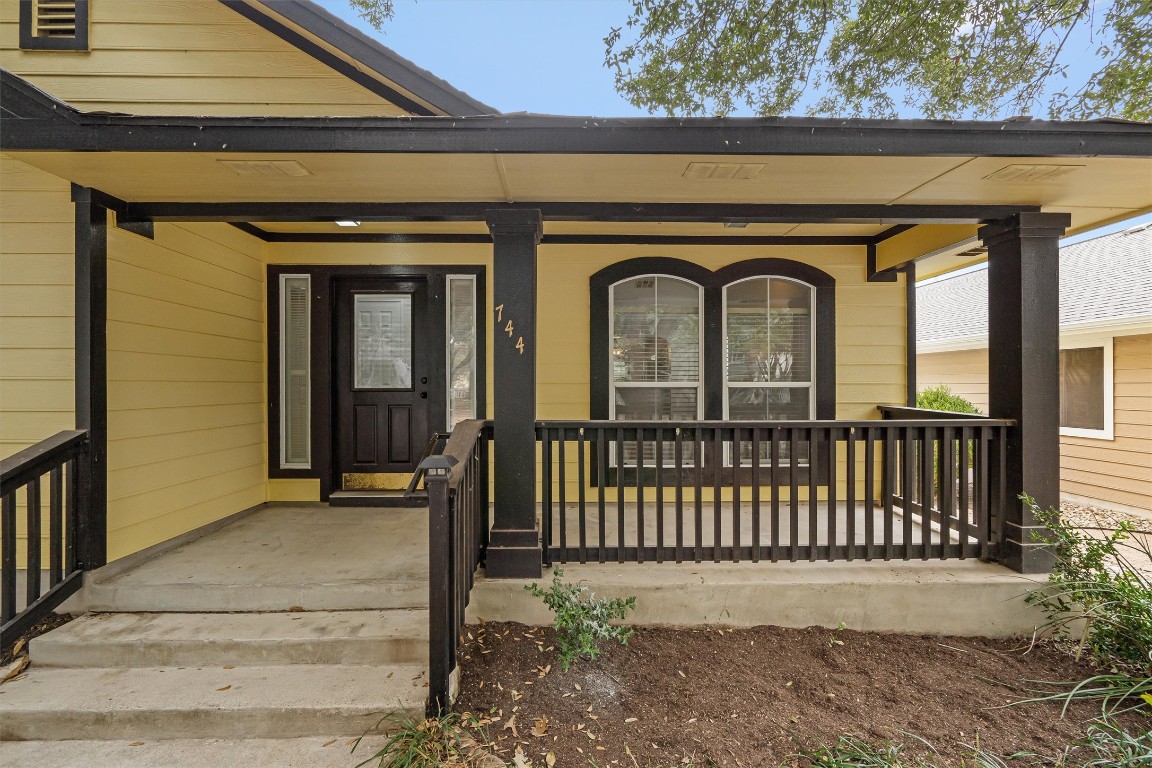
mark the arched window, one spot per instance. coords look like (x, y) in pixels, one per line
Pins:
(655, 327)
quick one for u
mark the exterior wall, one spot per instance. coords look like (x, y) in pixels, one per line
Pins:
(185, 57)
(185, 359)
(870, 318)
(186, 394)
(1115, 472)
(965, 372)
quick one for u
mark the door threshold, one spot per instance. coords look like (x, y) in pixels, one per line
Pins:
(376, 499)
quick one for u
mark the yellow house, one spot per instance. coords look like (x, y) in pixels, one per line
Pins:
(250, 256)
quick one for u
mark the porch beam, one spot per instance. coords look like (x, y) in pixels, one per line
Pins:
(752, 213)
(1023, 371)
(514, 546)
(91, 376)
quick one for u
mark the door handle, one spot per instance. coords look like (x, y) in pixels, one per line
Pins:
(423, 395)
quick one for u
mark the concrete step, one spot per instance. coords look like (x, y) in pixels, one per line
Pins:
(239, 639)
(311, 752)
(207, 703)
(125, 596)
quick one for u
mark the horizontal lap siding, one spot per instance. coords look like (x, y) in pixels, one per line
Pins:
(186, 381)
(186, 57)
(1116, 471)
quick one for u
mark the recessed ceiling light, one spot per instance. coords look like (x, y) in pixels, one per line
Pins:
(347, 223)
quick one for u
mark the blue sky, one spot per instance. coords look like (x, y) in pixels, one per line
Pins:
(544, 56)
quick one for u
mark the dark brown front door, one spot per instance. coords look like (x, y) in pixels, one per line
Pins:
(382, 377)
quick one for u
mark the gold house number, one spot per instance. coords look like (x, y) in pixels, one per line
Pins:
(509, 328)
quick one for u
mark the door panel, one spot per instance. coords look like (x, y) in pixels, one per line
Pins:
(381, 375)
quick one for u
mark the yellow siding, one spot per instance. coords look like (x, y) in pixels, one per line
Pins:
(1116, 471)
(186, 381)
(185, 57)
(965, 372)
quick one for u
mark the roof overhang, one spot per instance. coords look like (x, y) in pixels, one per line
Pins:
(774, 177)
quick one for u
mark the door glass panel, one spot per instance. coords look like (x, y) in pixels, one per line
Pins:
(461, 349)
(383, 346)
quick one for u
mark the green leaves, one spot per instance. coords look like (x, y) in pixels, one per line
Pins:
(940, 58)
(583, 621)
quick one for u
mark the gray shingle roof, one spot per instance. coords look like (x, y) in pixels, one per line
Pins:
(1105, 278)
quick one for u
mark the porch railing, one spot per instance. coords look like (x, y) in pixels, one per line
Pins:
(628, 491)
(457, 485)
(61, 503)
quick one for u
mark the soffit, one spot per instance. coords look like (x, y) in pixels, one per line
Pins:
(670, 229)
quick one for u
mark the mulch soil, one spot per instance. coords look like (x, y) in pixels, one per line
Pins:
(19, 645)
(757, 696)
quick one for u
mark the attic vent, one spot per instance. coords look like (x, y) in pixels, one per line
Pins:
(54, 25)
(741, 171)
(980, 250)
(1031, 172)
(278, 168)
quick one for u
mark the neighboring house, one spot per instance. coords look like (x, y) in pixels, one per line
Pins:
(249, 256)
(1105, 361)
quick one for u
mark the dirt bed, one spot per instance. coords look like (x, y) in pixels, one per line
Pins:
(754, 697)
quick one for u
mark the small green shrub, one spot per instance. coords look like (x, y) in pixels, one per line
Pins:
(430, 743)
(583, 621)
(940, 398)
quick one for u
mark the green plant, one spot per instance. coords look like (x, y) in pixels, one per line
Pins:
(427, 743)
(940, 398)
(851, 752)
(583, 621)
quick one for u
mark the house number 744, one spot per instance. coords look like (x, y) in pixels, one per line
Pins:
(509, 328)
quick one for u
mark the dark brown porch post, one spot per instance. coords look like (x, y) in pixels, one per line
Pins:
(1024, 370)
(514, 547)
(91, 376)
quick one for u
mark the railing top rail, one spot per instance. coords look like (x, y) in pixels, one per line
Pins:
(459, 447)
(904, 412)
(819, 424)
(20, 468)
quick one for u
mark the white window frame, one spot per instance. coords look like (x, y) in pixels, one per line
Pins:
(811, 383)
(448, 346)
(284, 463)
(613, 384)
(1105, 342)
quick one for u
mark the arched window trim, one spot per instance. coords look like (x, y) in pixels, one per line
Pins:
(713, 283)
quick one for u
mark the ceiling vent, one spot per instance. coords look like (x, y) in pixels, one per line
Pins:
(743, 171)
(274, 168)
(1031, 172)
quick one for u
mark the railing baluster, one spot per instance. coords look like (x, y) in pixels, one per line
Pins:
(963, 462)
(582, 484)
(890, 473)
(8, 557)
(659, 494)
(32, 499)
(774, 479)
(698, 460)
(620, 494)
(1002, 500)
(908, 471)
(70, 509)
(794, 492)
(639, 494)
(946, 470)
(55, 526)
(813, 494)
(870, 489)
(983, 493)
(561, 472)
(679, 459)
(928, 486)
(831, 506)
(735, 495)
(717, 494)
(755, 444)
(601, 490)
(850, 487)
(546, 493)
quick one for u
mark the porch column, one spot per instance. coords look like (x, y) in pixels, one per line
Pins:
(514, 546)
(1024, 370)
(91, 376)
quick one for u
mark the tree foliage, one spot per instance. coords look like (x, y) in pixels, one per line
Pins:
(877, 58)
